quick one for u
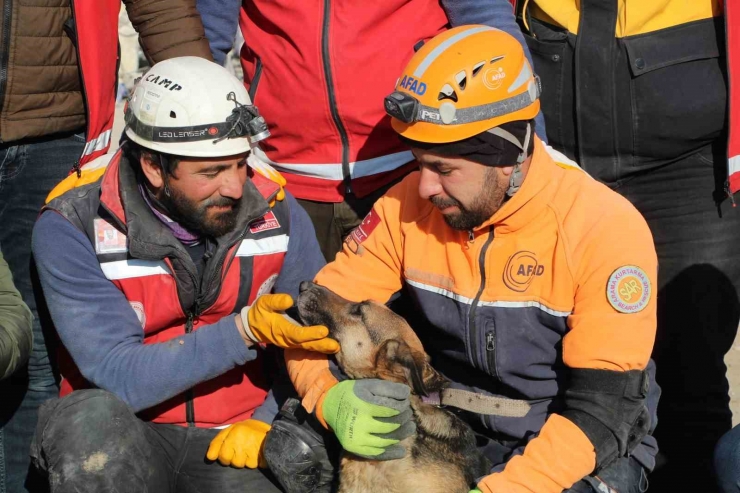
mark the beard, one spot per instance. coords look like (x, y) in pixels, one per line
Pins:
(195, 217)
(481, 208)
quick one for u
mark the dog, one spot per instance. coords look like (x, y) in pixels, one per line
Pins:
(377, 343)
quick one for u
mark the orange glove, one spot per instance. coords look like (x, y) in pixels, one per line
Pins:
(265, 322)
(240, 445)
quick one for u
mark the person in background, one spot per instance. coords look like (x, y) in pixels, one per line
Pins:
(637, 93)
(49, 51)
(16, 337)
(319, 72)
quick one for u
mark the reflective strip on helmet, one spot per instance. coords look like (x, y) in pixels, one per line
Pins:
(333, 171)
(521, 79)
(436, 52)
(482, 112)
(195, 133)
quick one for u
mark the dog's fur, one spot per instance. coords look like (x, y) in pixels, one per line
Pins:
(377, 343)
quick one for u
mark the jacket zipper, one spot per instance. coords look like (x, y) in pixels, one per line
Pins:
(332, 98)
(491, 350)
(255, 80)
(474, 336)
(7, 15)
(196, 310)
(189, 396)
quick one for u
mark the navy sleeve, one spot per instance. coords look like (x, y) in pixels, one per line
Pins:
(102, 332)
(302, 262)
(494, 13)
(267, 411)
(303, 259)
(220, 21)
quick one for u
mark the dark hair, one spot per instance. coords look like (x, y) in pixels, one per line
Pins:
(485, 148)
(134, 152)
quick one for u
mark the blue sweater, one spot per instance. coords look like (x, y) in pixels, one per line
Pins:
(103, 335)
(221, 18)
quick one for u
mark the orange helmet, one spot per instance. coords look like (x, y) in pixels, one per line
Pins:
(463, 82)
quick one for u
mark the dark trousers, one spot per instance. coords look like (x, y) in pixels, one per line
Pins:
(91, 441)
(28, 172)
(727, 461)
(621, 108)
(334, 221)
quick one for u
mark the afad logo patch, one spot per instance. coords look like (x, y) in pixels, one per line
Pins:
(265, 223)
(628, 289)
(521, 269)
(361, 232)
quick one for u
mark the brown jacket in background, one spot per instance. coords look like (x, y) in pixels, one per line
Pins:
(40, 91)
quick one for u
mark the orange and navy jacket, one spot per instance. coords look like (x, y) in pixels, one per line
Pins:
(561, 277)
(226, 382)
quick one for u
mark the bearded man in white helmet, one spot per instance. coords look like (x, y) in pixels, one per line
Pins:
(167, 267)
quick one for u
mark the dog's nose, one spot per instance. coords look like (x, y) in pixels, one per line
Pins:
(304, 286)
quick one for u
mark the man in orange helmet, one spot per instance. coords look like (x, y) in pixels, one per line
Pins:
(535, 281)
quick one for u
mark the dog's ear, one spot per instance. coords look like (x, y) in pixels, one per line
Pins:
(433, 380)
(396, 361)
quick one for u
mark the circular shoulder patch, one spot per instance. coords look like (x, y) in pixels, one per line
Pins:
(628, 289)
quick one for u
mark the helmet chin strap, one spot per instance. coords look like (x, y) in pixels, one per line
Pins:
(516, 178)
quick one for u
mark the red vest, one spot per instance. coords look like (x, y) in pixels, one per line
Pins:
(247, 269)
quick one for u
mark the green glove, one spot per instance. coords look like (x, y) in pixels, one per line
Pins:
(475, 491)
(370, 417)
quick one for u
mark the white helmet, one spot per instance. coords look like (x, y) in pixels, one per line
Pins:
(188, 106)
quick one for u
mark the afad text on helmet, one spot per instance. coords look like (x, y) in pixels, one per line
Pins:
(413, 85)
(163, 81)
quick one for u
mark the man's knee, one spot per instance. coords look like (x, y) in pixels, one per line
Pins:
(80, 409)
(296, 452)
(84, 428)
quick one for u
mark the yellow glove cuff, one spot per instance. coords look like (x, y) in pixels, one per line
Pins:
(244, 314)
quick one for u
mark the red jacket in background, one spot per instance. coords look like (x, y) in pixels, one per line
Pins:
(331, 135)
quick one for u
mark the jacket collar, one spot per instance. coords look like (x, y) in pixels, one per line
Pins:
(533, 196)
